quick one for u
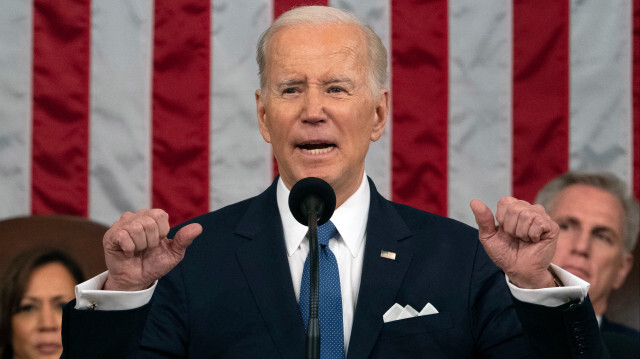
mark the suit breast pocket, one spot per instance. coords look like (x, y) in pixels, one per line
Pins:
(416, 325)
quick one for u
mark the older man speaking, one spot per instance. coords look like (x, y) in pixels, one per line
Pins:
(402, 283)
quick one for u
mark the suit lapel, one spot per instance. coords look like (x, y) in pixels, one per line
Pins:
(381, 277)
(264, 263)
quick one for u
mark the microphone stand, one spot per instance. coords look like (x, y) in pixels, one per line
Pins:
(312, 202)
(312, 344)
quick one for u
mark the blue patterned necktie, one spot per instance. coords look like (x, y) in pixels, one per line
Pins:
(330, 309)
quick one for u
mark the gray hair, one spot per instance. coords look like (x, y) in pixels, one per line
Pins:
(606, 182)
(324, 15)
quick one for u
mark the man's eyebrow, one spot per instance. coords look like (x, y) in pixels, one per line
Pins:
(569, 219)
(290, 82)
(297, 81)
(334, 80)
(597, 228)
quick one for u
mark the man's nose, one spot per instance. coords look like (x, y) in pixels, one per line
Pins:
(582, 243)
(314, 106)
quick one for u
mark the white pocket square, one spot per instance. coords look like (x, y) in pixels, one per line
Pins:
(398, 312)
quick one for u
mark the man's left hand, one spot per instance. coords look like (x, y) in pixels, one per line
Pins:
(523, 242)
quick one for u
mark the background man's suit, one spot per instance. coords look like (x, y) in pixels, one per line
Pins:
(232, 297)
(621, 341)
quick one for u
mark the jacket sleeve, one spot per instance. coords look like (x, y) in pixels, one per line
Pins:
(568, 331)
(101, 334)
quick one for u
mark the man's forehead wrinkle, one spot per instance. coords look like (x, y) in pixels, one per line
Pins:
(344, 61)
(350, 55)
(330, 75)
(353, 51)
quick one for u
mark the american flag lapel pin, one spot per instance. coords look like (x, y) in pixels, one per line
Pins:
(388, 255)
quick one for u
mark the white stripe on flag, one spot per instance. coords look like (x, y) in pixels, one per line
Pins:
(120, 113)
(15, 108)
(241, 164)
(601, 117)
(480, 46)
(376, 14)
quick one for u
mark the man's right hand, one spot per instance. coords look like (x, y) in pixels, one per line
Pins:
(137, 251)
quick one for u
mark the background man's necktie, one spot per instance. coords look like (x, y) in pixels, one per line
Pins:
(330, 309)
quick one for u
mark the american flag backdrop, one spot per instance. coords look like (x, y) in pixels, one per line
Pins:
(115, 105)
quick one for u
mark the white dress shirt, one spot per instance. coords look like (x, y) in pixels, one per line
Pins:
(351, 221)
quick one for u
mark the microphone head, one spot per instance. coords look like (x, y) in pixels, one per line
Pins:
(312, 194)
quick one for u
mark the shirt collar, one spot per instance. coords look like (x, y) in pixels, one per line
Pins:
(350, 218)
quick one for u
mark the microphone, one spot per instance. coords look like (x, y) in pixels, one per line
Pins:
(312, 202)
(309, 195)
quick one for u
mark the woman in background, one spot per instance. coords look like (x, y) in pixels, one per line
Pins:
(37, 284)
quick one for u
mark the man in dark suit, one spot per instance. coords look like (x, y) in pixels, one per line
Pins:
(599, 222)
(234, 292)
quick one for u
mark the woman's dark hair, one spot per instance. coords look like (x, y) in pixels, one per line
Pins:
(14, 283)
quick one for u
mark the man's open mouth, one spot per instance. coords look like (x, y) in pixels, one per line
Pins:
(317, 148)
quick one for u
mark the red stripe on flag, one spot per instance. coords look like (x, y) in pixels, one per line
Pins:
(635, 88)
(61, 52)
(181, 108)
(420, 104)
(540, 94)
(279, 7)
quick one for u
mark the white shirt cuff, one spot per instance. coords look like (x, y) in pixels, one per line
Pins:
(574, 288)
(89, 295)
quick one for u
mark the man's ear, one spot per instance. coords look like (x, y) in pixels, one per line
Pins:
(380, 117)
(624, 270)
(262, 117)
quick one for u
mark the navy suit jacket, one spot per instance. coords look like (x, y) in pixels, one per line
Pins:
(620, 341)
(608, 326)
(232, 297)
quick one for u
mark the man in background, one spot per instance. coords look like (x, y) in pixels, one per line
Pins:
(598, 222)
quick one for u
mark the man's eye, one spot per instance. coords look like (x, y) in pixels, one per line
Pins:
(603, 237)
(335, 90)
(290, 90)
(563, 226)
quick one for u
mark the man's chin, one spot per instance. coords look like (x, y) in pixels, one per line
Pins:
(290, 181)
(318, 173)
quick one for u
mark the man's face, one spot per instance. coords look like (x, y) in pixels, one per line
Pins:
(317, 109)
(591, 243)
